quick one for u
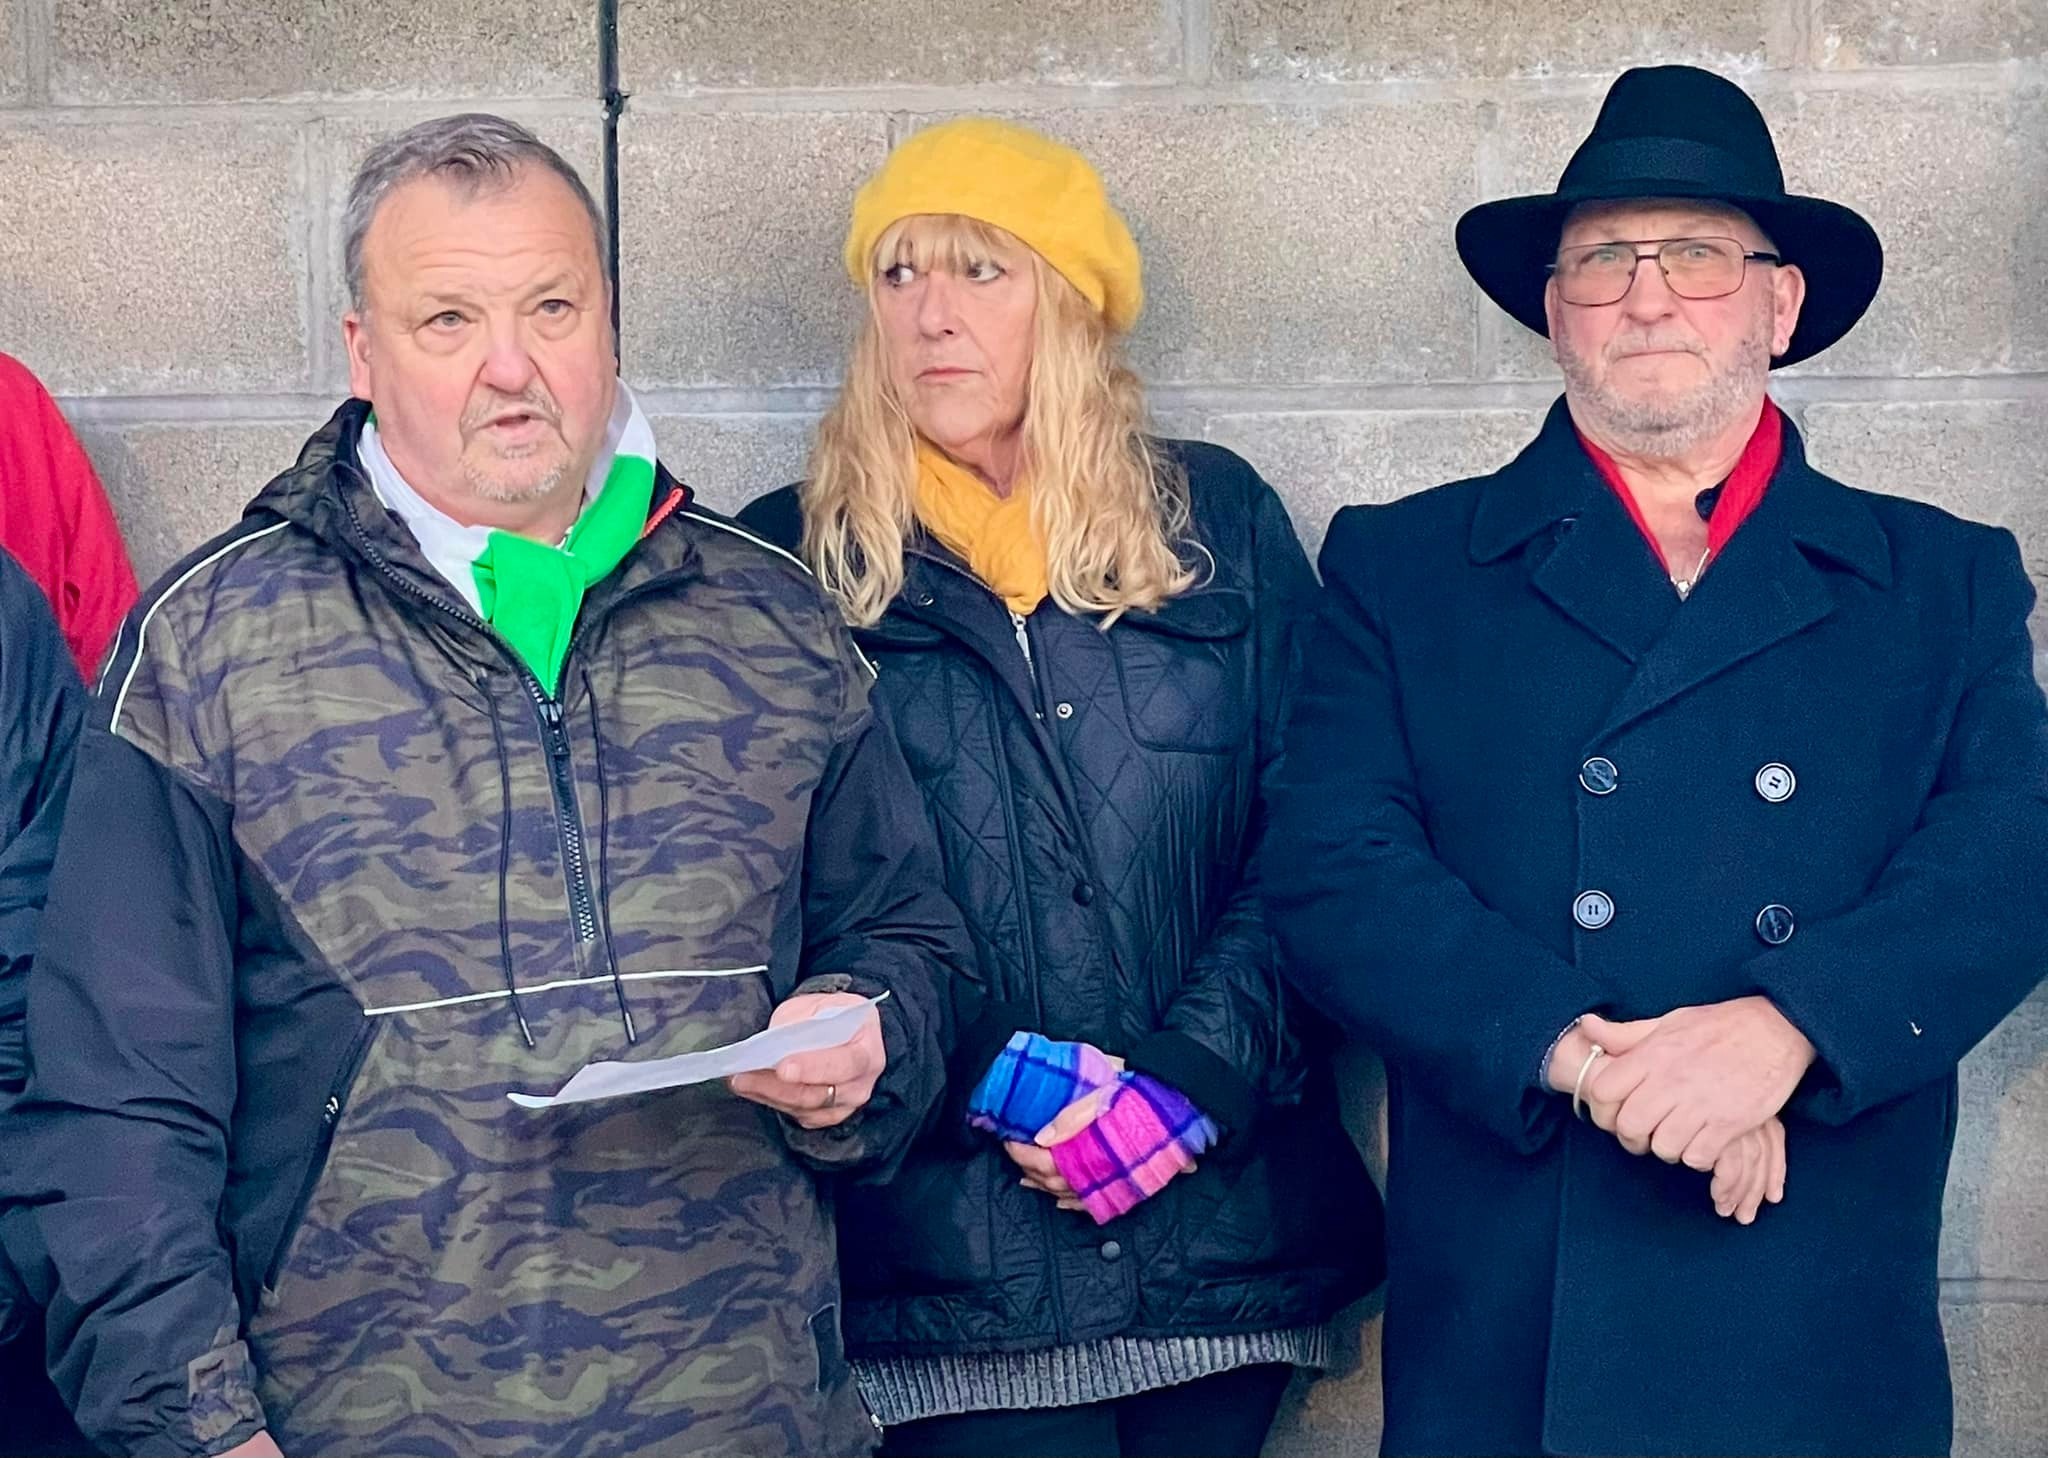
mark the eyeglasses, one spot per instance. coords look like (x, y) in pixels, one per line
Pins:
(1694, 268)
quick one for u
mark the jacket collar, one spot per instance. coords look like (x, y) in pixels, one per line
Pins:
(328, 494)
(1553, 482)
(1778, 575)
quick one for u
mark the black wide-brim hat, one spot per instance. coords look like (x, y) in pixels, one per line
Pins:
(1680, 132)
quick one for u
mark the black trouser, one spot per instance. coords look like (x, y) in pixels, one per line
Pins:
(33, 1422)
(1225, 1416)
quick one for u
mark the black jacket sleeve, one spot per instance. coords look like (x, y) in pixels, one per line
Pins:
(124, 1122)
(1369, 919)
(1225, 1032)
(45, 705)
(982, 1024)
(1954, 933)
(876, 918)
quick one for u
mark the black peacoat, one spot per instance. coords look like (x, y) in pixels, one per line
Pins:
(1823, 778)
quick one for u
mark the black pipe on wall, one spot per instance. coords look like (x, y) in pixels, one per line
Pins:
(614, 106)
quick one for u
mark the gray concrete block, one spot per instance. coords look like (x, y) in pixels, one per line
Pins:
(737, 43)
(1943, 177)
(1996, 1220)
(1998, 1352)
(344, 143)
(1292, 244)
(147, 259)
(1323, 460)
(174, 486)
(1850, 33)
(1341, 40)
(13, 57)
(2030, 265)
(732, 229)
(128, 51)
(1982, 459)
(728, 460)
(1950, 178)
(1521, 354)
(1178, 422)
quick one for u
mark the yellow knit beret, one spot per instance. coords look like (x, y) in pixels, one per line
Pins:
(1024, 183)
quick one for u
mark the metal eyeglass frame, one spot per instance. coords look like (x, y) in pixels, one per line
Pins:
(1749, 256)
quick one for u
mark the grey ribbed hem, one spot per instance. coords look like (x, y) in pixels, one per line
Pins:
(905, 1389)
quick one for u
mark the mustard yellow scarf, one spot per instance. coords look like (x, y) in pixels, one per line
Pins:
(992, 534)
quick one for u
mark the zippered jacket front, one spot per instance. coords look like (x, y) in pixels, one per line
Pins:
(339, 874)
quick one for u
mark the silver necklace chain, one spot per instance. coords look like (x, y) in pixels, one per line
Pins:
(1685, 585)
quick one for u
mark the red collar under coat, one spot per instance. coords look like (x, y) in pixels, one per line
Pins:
(1740, 493)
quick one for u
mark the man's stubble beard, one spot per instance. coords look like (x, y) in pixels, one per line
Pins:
(1669, 426)
(487, 487)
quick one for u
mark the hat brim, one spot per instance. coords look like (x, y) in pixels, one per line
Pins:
(1507, 247)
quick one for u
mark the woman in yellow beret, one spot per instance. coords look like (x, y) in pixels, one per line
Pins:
(1137, 1212)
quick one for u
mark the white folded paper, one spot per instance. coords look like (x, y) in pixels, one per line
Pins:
(764, 1049)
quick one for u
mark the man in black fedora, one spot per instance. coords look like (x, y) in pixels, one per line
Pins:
(1673, 819)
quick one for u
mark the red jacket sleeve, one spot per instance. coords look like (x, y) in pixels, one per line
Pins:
(55, 519)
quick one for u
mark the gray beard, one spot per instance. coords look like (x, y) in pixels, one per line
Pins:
(1673, 426)
(537, 399)
(490, 490)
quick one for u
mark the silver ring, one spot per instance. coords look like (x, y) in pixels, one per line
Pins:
(831, 1094)
(1579, 1083)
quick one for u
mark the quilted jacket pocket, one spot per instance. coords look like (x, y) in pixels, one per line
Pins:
(1186, 673)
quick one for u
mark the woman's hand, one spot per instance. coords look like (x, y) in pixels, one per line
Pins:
(1035, 1158)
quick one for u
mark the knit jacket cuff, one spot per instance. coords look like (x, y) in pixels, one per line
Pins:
(1211, 1084)
(985, 1028)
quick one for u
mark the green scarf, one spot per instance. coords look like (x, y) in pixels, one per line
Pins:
(531, 592)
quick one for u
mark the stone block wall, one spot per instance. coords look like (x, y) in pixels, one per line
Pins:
(170, 174)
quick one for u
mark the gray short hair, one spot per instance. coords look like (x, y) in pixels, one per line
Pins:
(473, 151)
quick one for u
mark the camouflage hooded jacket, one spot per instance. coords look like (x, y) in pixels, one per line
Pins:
(338, 875)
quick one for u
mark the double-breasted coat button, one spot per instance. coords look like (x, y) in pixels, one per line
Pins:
(1112, 1250)
(1774, 925)
(1776, 782)
(1593, 909)
(1599, 776)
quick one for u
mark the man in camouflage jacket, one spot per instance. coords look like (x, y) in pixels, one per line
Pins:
(343, 868)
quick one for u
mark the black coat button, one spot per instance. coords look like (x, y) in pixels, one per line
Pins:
(1084, 893)
(1599, 776)
(1775, 925)
(1112, 1250)
(1593, 909)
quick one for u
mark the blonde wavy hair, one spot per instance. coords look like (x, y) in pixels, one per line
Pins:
(1111, 509)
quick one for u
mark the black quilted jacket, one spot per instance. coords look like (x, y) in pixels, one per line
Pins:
(1096, 801)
